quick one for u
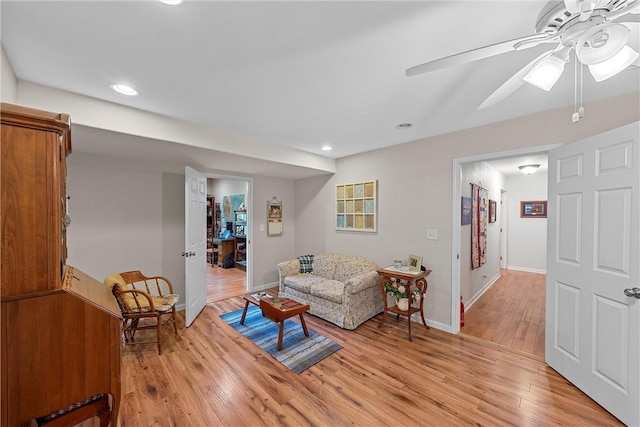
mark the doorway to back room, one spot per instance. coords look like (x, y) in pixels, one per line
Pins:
(228, 219)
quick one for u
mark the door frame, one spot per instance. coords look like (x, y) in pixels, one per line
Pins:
(455, 216)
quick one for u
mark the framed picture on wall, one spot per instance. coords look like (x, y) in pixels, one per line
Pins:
(492, 210)
(274, 218)
(533, 209)
(465, 214)
(356, 206)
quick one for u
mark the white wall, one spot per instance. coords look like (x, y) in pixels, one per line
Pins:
(415, 190)
(173, 235)
(268, 251)
(474, 281)
(527, 237)
(8, 80)
(116, 218)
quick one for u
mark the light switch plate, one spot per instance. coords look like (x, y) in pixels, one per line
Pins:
(432, 234)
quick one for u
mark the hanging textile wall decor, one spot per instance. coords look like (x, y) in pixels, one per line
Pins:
(479, 211)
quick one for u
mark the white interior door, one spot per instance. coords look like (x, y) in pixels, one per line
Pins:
(195, 244)
(592, 336)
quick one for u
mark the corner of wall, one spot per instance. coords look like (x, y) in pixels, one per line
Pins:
(9, 81)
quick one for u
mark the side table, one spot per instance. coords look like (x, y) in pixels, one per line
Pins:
(417, 279)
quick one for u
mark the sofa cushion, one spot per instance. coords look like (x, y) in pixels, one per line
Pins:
(352, 266)
(325, 265)
(303, 282)
(306, 263)
(331, 290)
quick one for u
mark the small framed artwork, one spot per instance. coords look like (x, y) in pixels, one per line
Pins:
(533, 209)
(274, 218)
(465, 214)
(492, 210)
(415, 262)
(275, 209)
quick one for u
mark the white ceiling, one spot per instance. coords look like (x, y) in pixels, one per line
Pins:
(300, 74)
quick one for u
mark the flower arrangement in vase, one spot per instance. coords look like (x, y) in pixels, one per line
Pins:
(400, 293)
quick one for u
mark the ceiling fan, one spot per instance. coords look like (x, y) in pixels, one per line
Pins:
(585, 28)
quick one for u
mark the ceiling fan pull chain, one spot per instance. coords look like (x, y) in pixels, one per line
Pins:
(575, 117)
(581, 109)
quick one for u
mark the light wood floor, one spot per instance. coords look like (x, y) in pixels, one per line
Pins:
(511, 313)
(210, 375)
(223, 283)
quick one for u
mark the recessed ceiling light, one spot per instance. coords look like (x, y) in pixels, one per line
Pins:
(404, 126)
(124, 89)
(172, 2)
(326, 148)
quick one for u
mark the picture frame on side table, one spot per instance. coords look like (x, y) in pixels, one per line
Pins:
(415, 262)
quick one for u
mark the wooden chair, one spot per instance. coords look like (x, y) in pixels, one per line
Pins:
(145, 303)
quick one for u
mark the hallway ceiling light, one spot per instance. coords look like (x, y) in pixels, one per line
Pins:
(124, 89)
(528, 169)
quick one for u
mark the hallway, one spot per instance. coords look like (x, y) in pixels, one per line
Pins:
(511, 313)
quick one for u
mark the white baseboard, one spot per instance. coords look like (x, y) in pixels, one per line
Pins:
(526, 269)
(263, 286)
(415, 317)
(477, 296)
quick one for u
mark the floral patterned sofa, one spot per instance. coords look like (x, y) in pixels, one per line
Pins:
(342, 289)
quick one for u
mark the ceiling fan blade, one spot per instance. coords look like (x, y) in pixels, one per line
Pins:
(480, 53)
(512, 84)
(631, 13)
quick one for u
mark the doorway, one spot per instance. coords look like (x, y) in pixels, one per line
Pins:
(497, 307)
(228, 235)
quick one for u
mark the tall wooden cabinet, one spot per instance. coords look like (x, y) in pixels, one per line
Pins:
(60, 329)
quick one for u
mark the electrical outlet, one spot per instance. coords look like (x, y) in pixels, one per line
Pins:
(432, 234)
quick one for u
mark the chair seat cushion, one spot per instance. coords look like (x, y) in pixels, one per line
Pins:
(161, 303)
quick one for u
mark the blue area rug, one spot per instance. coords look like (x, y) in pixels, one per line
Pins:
(298, 351)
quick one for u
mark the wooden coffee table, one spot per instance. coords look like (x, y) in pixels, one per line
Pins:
(276, 309)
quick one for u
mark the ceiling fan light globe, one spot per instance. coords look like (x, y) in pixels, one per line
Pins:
(545, 73)
(612, 66)
(601, 43)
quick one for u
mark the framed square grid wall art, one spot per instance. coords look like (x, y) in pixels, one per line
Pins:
(356, 206)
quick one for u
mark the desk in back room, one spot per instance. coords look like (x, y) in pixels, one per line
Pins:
(226, 247)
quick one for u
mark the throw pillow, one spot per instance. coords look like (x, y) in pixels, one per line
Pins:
(306, 263)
